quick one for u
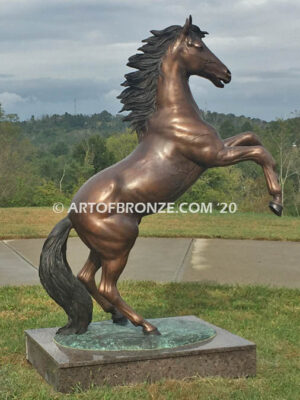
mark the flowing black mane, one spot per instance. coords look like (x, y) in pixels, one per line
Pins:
(140, 95)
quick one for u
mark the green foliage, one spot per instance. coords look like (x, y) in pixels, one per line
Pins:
(87, 158)
(230, 124)
(93, 152)
(227, 129)
(60, 148)
(47, 194)
(70, 129)
(216, 185)
(24, 187)
(65, 150)
(282, 137)
(17, 173)
(247, 126)
(122, 144)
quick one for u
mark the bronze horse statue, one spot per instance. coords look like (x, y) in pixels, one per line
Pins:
(175, 147)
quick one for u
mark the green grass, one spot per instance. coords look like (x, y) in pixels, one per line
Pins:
(38, 222)
(269, 317)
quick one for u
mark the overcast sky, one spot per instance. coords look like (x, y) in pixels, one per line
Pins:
(57, 51)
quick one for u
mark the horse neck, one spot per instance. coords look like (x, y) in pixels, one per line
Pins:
(173, 91)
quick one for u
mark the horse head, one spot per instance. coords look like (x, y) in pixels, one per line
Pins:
(172, 46)
(196, 58)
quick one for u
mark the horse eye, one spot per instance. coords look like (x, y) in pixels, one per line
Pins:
(198, 46)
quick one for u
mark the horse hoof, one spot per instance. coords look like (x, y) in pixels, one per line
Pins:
(120, 320)
(66, 330)
(71, 330)
(276, 208)
(152, 332)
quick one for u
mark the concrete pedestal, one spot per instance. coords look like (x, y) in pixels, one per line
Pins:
(225, 355)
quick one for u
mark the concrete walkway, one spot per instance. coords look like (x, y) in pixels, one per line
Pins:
(164, 259)
(14, 270)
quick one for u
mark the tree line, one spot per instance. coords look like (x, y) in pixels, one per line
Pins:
(46, 160)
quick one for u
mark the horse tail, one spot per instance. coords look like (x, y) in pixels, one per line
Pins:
(60, 283)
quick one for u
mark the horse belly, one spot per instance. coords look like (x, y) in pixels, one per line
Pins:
(161, 183)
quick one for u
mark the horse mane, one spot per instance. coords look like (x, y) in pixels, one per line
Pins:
(139, 97)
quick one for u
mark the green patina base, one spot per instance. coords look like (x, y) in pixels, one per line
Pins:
(106, 336)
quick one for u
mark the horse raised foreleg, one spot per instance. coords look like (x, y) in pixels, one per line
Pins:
(233, 155)
(87, 277)
(243, 139)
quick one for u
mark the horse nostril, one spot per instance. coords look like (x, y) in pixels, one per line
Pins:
(228, 76)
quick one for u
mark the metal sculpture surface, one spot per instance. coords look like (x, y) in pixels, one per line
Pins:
(175, 147)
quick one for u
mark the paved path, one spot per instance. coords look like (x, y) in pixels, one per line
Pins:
(244, 262)
(164, 259)
(14, 270)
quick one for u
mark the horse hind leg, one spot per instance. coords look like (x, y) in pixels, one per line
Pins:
(111, 270)
(112, 239)
(87, 277)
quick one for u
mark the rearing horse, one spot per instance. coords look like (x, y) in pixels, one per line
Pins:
(175, 147)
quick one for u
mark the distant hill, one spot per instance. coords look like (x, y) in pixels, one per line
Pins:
(46, 160)
(230, 124)
(70, 129)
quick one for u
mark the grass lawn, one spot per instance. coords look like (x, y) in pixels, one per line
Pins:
(38, 221)
(269, 317)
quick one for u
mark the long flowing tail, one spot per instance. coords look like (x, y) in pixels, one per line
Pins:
(60, 283)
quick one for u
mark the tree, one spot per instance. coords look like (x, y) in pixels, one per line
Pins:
(284, 136)
(246, 127)
(17, 174)
(215, 186)
(227, 129)
(47, 194)
(93, 152)
(122, 145)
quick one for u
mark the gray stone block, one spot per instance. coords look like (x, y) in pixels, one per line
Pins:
(225, 355)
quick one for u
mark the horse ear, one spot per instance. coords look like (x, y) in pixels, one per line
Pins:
(187, 25)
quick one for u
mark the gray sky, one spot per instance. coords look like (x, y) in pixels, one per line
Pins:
(55, 51)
